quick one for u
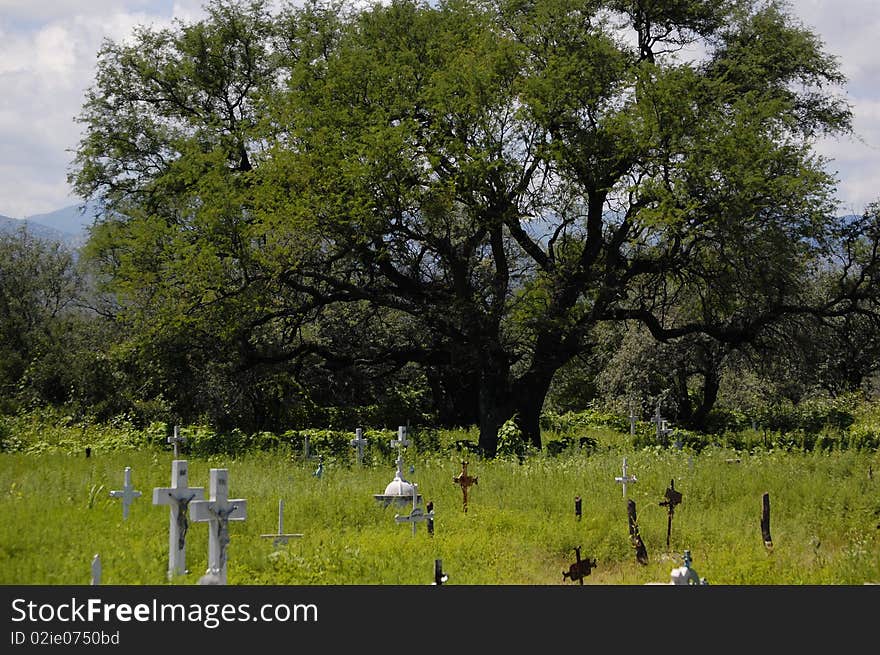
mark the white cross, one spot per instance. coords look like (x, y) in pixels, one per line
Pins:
(280, 538)
(416, 515)
(176, 440)
(96, 570)
(217, 512)
(359, 442)
(632, 422)
(177, 497)
(127, 493)
(401, 441)
(625, 479)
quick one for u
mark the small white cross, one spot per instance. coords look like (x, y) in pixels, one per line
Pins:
(217, 512)
(280, 538)
(401, 441)
(416, 515)
(127, 493)
(632, 421)
(625, 479)
(177, 497)
(359, 442)
(176, 440)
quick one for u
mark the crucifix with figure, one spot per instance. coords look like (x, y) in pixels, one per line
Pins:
(673, 498)
(465, 481)
(177, 497)
(217, 512)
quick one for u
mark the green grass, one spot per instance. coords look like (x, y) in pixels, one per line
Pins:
(520, 527)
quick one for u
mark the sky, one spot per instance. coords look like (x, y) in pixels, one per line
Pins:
(47, 61)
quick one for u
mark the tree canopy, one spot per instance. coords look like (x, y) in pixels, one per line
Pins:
(467, 187)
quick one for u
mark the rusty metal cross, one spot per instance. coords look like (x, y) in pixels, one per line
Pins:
(464, 481)
(580, 569)
(673, 498)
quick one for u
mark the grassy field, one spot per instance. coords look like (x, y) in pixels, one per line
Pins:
(520, 527)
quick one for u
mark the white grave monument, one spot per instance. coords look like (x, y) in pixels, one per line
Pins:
(217, 512)
(127, 493)
(280, 538)
(625, 479)
(359, 442)
(662, 426)
(398, 491)
(177, 497)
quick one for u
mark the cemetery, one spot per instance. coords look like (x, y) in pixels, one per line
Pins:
(644, 513)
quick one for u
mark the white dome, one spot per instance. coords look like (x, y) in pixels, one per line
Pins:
(399, 487)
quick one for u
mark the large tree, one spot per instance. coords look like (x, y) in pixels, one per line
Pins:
(488, 180)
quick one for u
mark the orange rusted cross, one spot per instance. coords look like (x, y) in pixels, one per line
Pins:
(464, 481)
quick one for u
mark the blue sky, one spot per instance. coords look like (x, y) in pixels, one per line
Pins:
(48, 48)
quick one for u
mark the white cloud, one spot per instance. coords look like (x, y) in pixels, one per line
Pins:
(48, 50)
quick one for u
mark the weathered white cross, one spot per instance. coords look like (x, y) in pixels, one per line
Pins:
(632, 421)
(625, 479)
(127, 493)
(177, 497)
(662, 425)
(217, 512)
(416, 515)
(96, 570)
(176, 440)
(359, 442)
(280, 539)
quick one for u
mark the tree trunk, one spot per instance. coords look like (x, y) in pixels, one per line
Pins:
(496, 406)
(711, 385)
(531, 390)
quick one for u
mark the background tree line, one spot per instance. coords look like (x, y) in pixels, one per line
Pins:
(462, 212)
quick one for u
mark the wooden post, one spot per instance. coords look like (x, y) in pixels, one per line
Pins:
(577, 507)
(439, 576)
(765, 521)
(635, 537)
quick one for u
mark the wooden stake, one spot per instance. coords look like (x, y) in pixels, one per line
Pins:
(765, 521)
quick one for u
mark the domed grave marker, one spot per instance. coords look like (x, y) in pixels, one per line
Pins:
(398, 491)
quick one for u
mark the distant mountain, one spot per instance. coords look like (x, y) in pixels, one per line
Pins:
(68, 225)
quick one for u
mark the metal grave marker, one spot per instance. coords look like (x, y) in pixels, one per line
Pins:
(176, 440)
(634, 536)
(625, 479)
(127, 493)
(399, 490)
(280, 538)
(465, 481)
(765, 521)
(359, 442)
(177, 497)
(416, 515)
(673, 498)
(662, 426)
(439, 576)
(217, 512)
(580, 569)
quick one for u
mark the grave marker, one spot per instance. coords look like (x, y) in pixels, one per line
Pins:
(416, 515)
(217, 512)
(577, 507)
(662, 426)
(319, 472)
(439, 576)
(634, 536)
(359, 442)
(765, 521)
(673, 498)
(625, 479)
(127, 493)
(96, 570)
(280, 538)
(177, 497)
(580, 569)
(430, 521)
(465, 482)
(633, 417)
(176, 440)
